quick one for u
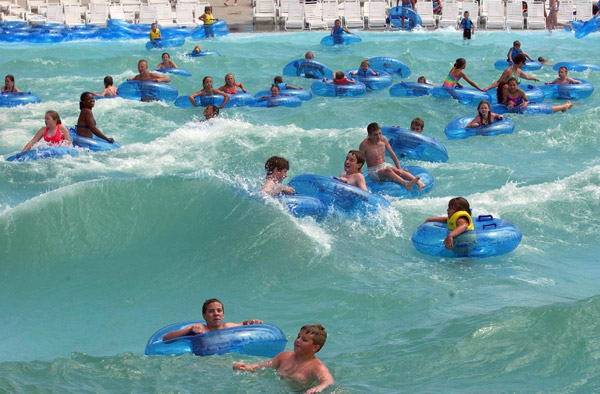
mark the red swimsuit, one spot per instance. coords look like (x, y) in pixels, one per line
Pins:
(56, 138)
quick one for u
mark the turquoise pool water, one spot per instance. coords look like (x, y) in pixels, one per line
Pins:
(99, 251)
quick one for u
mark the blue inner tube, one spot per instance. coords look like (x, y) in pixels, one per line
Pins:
(329, 89)
(261, 340)
(577, 66)
(307, 69)
(147, 90)
(457, 129)
(340, 39)
(218, 29)
(530, 65)
(533, 93)
(343, 197)
(412, 19)
(43, 153)
(468, 96)
(182, 72)
(574, 91)
(165, 43)
(14, 99)
(588, 27)
(373, 82)
(180, 31)
(302, 94)
(411, 89)
(279, 101)
(532, 109)
(202, 101)
(94, 144)
(413, 145)
(397, 190)
(302, 206)
(208, 52)
(491, 237)
(390, 65)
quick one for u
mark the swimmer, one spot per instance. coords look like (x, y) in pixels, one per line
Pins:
(513, 71)
(276, 169)
(59, 133)
(352, 166)
(514, 51)
(109, 89)
(278, 80)
(309, 56)
(275, 92)
(86, 124)
(459, 220)
(484, 115)
(144, 75)
(338, 29)
(563, 79)
(456, 73)
(365, 70)
(154, 32)
(374, 148)
(166, 62)
(231, 86)
(210, 112)
(213, 314)
(208, 90)
(9, 84)
(417, 125)
(300, 364)
(197, 49)
(339, 78)
(544, 61)
(421, 79)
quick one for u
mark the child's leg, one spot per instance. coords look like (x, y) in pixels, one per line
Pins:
(407, 175)
(562, 108)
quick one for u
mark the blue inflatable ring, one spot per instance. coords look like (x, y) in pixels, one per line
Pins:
(43, 153)
(530, 65)
(532, 109)
(411, 89)
(307, 69)
(208, 52)
(94, 144)
(412, 18)
(570, 91)
(468, 96)
(329, 89)
(165, 43)
(390, 65)
(577, 66)
(340, 39)
(203, 100)
(533, 93)
(302, 94)
(254, 340)
(147, 90)
(302, 206)
(278, 101)
(342, 196)
(414, 145)
(491, 237)
(397, 190)
(14, 99)
(373, 82)
(182, 72)
(457, 129)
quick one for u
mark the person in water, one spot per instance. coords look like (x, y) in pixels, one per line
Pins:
(468, 26)
(456, 73)
(417, 125)
(339, 78)
(338, 29)
(276, 169)
(513, 71)
(514, 51)
(197, 49)
(309, 56)
(516, 97)
(144, 75)
(208, 20)
(563, 78)
(208, 90)
(9, 84)
(352, 166)
(365, 70)
(278, 80)
(210, 112)
(459, 221)
(86, 124)
(154, 32)
(55, 133)
(374, 148)
(421, 79)
(485, 116)
(213, 314)
(299, 364)
(231, 86)
(166, 62)
(109, 89)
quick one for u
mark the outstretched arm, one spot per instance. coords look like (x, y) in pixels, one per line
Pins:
(34, 140)
(272, 363)
(526, 76)
(462, 74)
(439, 219)
(159, 77)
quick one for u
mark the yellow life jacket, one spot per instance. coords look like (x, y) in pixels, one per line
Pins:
(154, 34)
(457, 215)
(209, 20)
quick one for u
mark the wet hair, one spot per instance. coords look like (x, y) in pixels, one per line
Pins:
(520, 58)
(198, 47)
(423, 78)
(541, 59)
(166, 53)
(460, 62)
(460, 203)
(372, 127)
(204, 80)
(215, 110)
(276, 163)
(278, 79)
(317, 332)
(82, 97)
(339, 75)
(309, 55)
(566, 69)
(276, 86)
(517, 43)
(417, 122)
(11, 77)
(108, 81)
(54, 115)
(210, 301)
(226, 75)
(360, 157)
(489, 117)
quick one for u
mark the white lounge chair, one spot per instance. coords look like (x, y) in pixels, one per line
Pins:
(449, 15)
(565, 11)
(352, 15)
(495, 17)
(535, 16)
(425, 11)
(184, 14)
(37, 6)
(97, 14)
(377, 14)
(147, 14)
(331, 12)
(295, 18)
(54, 14)
(313, 16)
(73, 15)
(584, 10)
(264, 9)
(282, 9)
(131, 8)
(514, 15)
(473, 8)
(164, 15)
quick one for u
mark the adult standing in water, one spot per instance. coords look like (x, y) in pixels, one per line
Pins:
(513, 71)
(144, 75)
(86, 124)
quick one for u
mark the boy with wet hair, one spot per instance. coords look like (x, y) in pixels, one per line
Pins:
(352, 166)
(301, 364)
(276, 169)
(374, 148)
(417, 125)
(278, 80)
(514, 51)
(563, 79)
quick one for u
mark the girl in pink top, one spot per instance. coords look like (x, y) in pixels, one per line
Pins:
(54, 133)
(231, 86)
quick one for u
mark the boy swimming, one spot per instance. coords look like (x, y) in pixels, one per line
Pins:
(276, 168)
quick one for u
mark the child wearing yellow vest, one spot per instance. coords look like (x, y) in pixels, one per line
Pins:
(459, 221)
(154, 32)
(208, 20)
